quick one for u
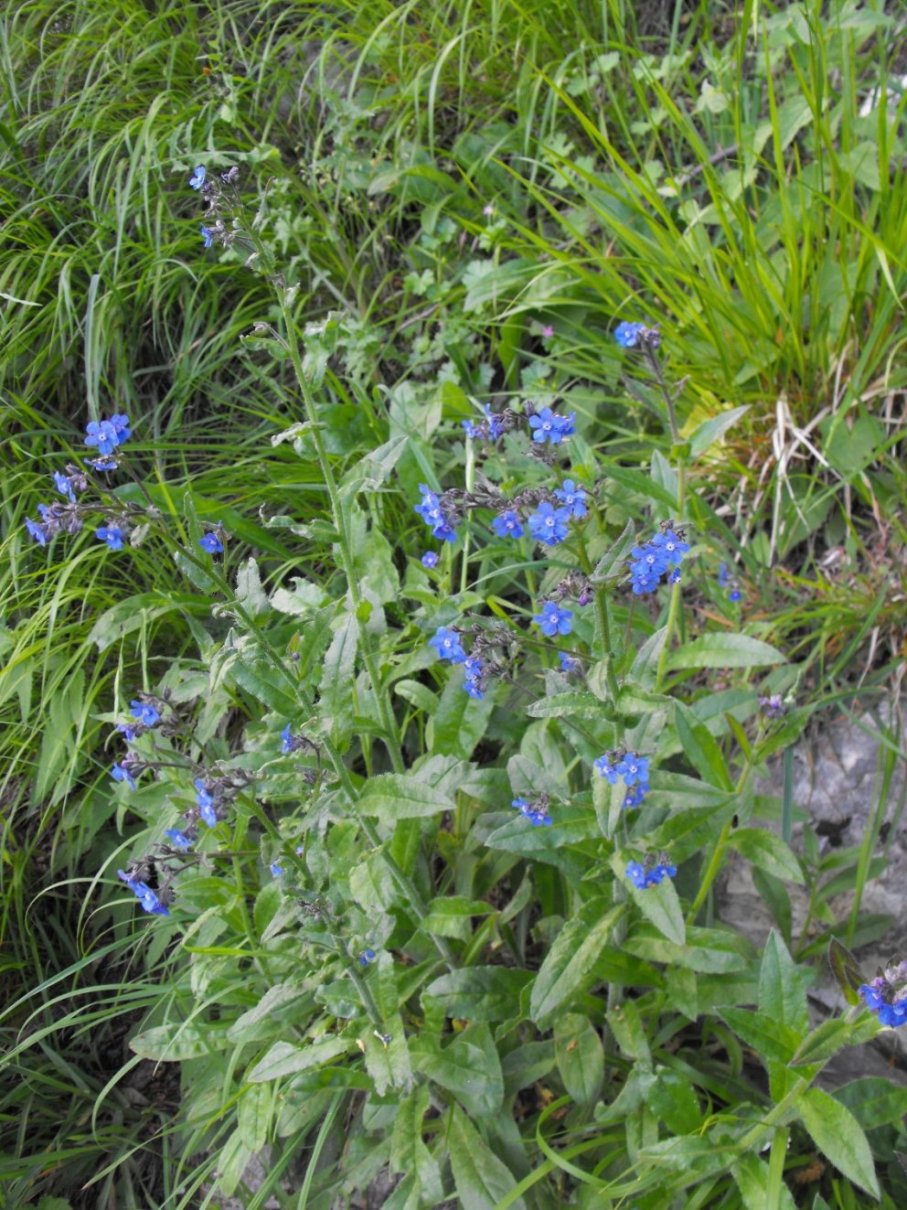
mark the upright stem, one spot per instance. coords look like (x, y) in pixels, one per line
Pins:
(675, 602)
(388, 722)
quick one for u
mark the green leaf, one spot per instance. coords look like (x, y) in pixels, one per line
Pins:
(287, 1058)
(263, 1020)
(569, 704)
(839, 1136)
(460, 720)
(469, 1067)
(393, 796)
(714, 428)
(452, 916)
(770, 1039)
(616, 554)
(724, 651)
(782, 986)
(823, 1042)
(249, 592)
(874, 1101)
(769, 852)
(137, 611)
(567, 968)
(253, 1118)
(480, 993)
(337, 674)
(701, 748)
(752, 1178)
(387, 1057)
(408, 1153)
(174, 1043)
(481, 1179)
(580, 1057)
(672, 1100)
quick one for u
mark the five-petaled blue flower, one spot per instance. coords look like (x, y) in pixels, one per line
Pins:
(112, 535)
(106, 435)
(886, 995)
(178, 839)
(549, 524)
(643, 878)
(146, 714)
(367, 956)
(628, 767)
(546, 425)
(207, 236)
(627, 335)
(568, 663)
(448, 646)
(432, 513)
(197, 179)
(277, 870)
(63, 484)
(37, 530)
(572, 497)
(553, 620)
(205, 802)
(507, 524)
(211, 543)
(474, 683)
(430, 559)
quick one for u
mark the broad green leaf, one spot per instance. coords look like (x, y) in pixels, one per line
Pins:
(138, 610)
(711, 951)
(372, 470)
(372, 886)
(782, 986)
(249, 592)
(580, 1057)
(459, 721)
(452, 916)
(613, 559)
(874, 1101)
(840, 1138)
(767, 851)
(701, 748)
(287, 1058)
(263, 1020)
(724, 651)
(824, 1041)
(567, 968)
(714, 428)
(770, 1039)
(569, 704)
(846, 970)
(468, 1066)
(393, 796)
(526, 1064)
(253, 1117)
(480, 993)
(387, 1057)
(481, 1179)
(408, 1153)
(672, 1100)
(752, 1176)
(174, 1043)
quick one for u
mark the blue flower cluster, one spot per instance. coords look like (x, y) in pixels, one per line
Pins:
(628, 767)
(643, 878)
(886, 996)
(536, 811)
(67, 516)
(634, 335)
(661, 556)
(146, 716)
(212, 541)
(206, 801)
(489, 429)
(448, 646)
(149, 899)
(441, 522)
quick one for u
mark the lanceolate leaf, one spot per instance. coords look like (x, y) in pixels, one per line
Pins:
(724, 651)
(482, 1179)
(838, 1134)
(568, 966)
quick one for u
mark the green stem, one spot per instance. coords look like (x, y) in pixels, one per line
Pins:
(675, 603)
(717, 857)
(388, 721)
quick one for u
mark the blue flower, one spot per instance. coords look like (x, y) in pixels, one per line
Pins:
(104, 434)
(128, 731)
(121, 773)
(573, 498)
(474, 683)
(63, 484)
(887, 997)
(507, 525)
(635, 796)
(553, 620)
(627, 335)
(197, 180)
(448, 646)
(430, 559)
(211, 543)
(143, 892)
(661, 556)
(432, 513)
(633, 769)
(205, 802)
(178, 839)
(547, 426)
(277, 870)
(145, 713)
(535, 812)
(673, 547)
(659, 873)
(112, 535)
(286, 739)
(636, 874)
(367, 956)
(489, 429)
(207, 236)
(724, 576)
(606, 769)
(735, 595)
(568, 663)
(548, 524)
(37, 530)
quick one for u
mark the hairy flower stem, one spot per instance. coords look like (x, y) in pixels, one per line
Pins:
(388, 722)
(602, 624)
